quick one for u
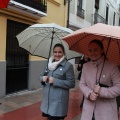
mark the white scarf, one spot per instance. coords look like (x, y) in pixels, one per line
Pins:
(53, 65)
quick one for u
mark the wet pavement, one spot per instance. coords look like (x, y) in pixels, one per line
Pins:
(26, 105)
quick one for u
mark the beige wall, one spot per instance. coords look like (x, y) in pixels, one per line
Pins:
(56, 12)
(2, 38)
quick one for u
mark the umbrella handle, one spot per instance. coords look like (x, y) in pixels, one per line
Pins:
(45, 74)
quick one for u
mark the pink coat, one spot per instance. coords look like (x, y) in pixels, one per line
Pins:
(105, 107)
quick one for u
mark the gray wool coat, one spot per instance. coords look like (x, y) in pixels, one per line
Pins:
(56, 97)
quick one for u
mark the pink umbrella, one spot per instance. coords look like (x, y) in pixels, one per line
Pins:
(109, 35)
(4, 3)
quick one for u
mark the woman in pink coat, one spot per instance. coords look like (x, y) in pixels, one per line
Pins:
(100, 92)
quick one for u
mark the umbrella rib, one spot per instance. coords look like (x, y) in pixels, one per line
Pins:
(56, 31)
(40, 43)
(61, 41)
(40, 32)
(43, 32)
(51, 42)
(103, 39)
(79, 41)
(62, 32)
(31, 37)
(36, 34)
(108, 47)
(57, 37)
(104, 60)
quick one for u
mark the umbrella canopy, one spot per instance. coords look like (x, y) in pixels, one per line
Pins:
(4, 3)
(39, 40)
(109, 35)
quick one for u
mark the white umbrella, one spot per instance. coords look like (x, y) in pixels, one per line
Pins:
(39, 40)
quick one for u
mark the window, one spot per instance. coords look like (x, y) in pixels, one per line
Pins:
(119, 21)
(79, 3)
(107, 10)
(97, 4)
(114, 19)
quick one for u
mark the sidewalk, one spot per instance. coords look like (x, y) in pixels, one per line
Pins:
(26, 105)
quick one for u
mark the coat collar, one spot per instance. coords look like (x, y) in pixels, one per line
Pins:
(62, 63)
(98, 62)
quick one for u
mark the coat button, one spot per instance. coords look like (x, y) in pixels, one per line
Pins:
(103, 76)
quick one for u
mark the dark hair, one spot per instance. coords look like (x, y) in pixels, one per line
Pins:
(59, 45)
(100, 44)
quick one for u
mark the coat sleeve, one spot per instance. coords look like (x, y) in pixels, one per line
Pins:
(69, 81)
(42, 73)
(83, 86)
(114, 90)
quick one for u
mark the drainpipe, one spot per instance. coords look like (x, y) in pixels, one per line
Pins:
(68, 12)
(68, 16)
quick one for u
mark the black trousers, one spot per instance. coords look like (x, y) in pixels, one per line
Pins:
(93, 118)
(52, 117)
(81, 105)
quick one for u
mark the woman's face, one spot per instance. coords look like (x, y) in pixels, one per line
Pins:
(58, 53)
(95, 51)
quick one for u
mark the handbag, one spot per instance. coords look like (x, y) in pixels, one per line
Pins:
(103, 85)
(78, 67)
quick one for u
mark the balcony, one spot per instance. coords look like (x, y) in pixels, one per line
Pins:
(80, 12)
(98, 19)
(32, 7)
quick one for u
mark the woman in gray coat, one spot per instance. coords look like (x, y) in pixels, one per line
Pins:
(57, 82)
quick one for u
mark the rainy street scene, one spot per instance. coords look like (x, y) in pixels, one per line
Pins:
(59, 60)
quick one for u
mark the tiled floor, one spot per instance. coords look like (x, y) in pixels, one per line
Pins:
(26, 105)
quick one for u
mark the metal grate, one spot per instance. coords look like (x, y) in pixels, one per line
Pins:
(16, 57)
(98, 19)
(80, 12)
(40, 5)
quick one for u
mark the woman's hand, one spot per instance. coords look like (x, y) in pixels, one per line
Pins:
(45, 78)
(96, 89)
(93, 96)
(51, 80)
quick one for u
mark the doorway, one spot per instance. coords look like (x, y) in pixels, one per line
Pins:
(17, 59)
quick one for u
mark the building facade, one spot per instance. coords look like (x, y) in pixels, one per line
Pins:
(84, 13)
(19, 70)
